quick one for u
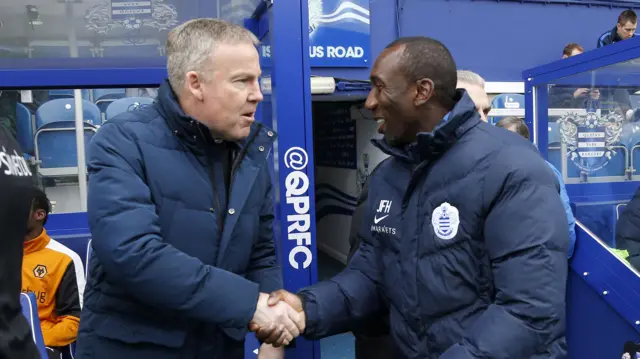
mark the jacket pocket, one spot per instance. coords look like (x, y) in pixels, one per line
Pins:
(131, 331)
(124, 320)
(195, 233)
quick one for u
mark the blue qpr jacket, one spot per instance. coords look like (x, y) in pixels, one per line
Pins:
(175, 272)
(465, 243)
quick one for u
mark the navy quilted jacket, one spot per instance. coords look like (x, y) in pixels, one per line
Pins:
(465, 242)
(165, 280)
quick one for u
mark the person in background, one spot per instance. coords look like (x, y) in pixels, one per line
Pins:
(628, 231)
(572, 49)
(474, 85)
(55, 274)
(571, 97)
(180, 206)
(517, 125)
(464, 237)
(624, 29)
(16, 195)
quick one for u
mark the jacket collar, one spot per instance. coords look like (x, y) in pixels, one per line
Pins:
(195, 135)
(429, 145)
(38, 243)
(614, 35)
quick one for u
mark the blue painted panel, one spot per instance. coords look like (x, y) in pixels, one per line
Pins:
(602, 290)
(82, 77)
(339, 33)
(68, 224)
(291, 97)
(497, 39)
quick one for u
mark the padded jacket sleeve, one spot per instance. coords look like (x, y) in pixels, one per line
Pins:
(64, 328)
(343, 302)
(527, 239)
(264, 268)
(128, 244)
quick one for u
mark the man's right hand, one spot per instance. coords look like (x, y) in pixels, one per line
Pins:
(277, 321)
(270, 335)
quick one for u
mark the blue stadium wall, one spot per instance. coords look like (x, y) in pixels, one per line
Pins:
(497, 39)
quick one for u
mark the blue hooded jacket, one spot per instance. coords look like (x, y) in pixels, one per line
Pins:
(464, 243)
(165, 279)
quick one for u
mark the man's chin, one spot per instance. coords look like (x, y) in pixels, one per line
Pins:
(239, 134)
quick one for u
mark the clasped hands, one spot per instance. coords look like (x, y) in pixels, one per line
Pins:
(278, 319)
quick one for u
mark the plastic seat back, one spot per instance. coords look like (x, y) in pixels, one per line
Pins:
(30, 311)
(507, 102)
(25, 129)
(127, 104)
(65, 110)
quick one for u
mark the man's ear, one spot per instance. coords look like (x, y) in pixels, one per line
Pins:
(40, 215)
(193, 83)
(424, 91)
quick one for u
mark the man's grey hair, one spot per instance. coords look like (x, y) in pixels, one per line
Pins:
(470, 78)
(191, 45)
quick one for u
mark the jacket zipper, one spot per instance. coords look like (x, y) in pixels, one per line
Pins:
(234, 166)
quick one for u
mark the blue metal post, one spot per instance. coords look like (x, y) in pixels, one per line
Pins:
(289, 31)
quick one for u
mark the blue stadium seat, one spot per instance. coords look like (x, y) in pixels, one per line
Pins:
(619, 209)
(78, 243)
(104, 97)
(126, 104)
(25, 129)
(55, 140)
(64, 110)
(617, 166)
(506, 102)
(554, 134)
(59, 94)
(30, 311)
(631, 140)
(554, 153)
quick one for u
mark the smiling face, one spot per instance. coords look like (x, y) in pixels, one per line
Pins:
(394, 100)
(227, 94)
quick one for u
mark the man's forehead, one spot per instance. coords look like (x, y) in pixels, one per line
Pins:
(387, 63)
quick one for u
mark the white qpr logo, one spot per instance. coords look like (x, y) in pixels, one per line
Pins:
(445, 220)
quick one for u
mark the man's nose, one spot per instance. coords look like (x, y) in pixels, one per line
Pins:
(256, 93)
(371, 103)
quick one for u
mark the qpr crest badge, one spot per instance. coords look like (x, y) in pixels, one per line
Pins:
(445, 221)
(590, 138)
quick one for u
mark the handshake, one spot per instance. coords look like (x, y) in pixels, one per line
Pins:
(278, 319)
